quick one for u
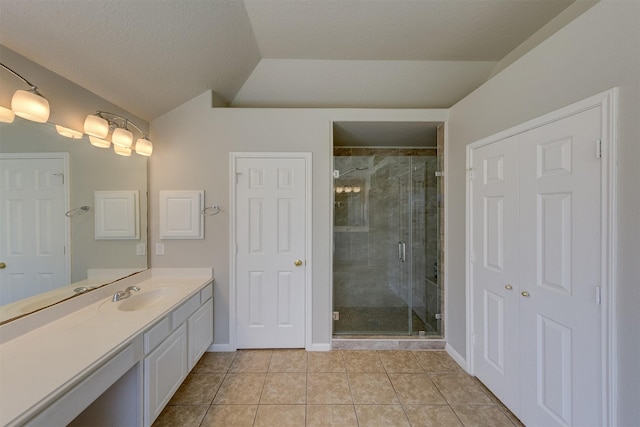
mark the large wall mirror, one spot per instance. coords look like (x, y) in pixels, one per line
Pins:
(60, 236)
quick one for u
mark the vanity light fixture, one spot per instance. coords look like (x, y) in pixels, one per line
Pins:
(29, 104)
(99, 124)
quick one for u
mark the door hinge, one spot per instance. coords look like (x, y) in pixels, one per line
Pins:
(598, 149)
(438, 316)
(472, 256)
(336, 315)
(471, 174)
(439, 173)
(598, 295)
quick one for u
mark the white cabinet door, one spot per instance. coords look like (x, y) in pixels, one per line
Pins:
(200, 330)
(164, 370)
(495, 269)
(560, 269)
(270, 227)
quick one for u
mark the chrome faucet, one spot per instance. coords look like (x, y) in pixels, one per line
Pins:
(120, 295)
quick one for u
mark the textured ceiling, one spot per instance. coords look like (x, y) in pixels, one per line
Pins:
(148, 57)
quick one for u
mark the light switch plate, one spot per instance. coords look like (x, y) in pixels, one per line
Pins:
(141, 249)
(159, 248)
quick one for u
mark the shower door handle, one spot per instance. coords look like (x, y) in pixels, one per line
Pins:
(402, 251)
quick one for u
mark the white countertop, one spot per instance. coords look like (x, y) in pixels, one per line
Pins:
(37, 366)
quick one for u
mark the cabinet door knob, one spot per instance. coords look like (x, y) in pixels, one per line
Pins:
(508, 287)
(524, 293)
(297, 263)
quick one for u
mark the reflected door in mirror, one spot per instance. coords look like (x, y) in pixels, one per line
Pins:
(33, 231)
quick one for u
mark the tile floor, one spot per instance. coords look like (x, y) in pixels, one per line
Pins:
(278, 388)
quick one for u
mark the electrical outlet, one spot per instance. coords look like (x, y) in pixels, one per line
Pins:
(336, 315)
(141, 249)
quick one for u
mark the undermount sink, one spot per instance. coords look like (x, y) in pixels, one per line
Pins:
(143, 299)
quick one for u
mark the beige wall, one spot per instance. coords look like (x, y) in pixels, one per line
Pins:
(597, 51)
(193, 143)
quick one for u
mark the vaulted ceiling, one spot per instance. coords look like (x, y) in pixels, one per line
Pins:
(149, 56)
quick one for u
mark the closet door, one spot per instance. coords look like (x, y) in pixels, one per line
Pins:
(560, 269)
(495, 268)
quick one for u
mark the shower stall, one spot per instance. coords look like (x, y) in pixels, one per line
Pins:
(387, 238)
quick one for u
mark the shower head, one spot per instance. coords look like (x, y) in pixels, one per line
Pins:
(337, 174)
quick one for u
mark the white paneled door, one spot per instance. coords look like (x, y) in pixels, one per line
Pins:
(270, 272)
(536, 268)
(560, 272)
(495, 268)
(33, 237)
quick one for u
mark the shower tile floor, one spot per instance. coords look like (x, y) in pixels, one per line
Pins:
(337, 388)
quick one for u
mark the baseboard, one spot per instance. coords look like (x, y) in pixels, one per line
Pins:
(221, 348)
(456, 356)
(319, 347)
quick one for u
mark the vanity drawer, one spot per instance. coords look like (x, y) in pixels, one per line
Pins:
(182, 313)
(156, 334)
(206, 293)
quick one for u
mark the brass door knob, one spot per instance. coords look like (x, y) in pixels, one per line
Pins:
(524, 293)
(508, 287)
(297, 263)
(3, 265)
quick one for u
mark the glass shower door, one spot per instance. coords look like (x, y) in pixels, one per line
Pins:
(372, 247)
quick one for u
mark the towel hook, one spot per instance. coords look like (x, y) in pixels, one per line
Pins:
(77, 211)
(211, 210)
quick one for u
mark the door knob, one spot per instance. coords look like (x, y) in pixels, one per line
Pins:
(297, 263)
(3, 265)
(524, 293)
(508, 287)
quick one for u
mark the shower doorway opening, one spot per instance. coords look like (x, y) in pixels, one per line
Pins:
(387, 238)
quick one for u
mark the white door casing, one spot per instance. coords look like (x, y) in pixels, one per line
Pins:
(270, 254)
(35, 231)
(564, 249)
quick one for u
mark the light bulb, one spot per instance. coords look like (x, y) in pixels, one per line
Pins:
(144, 147)
(122, 137)
(339, 190)
(356, 189)
(31, 106)
(100, 143)
(96, 126)
(69, 133)
(348, 189)
(6, 115)
(123, 151)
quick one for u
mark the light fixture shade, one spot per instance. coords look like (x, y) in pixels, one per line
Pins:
(96, 126)
(69, 133)
(339, 190)
(100, 143)
(123, 151)
(144, 147)
(6, 115)
(356, 189)
(30, 106)
(122, 137)
(348, 189)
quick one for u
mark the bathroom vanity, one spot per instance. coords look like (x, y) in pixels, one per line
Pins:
(110, 363)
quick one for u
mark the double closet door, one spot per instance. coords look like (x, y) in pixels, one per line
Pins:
(536, 262)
